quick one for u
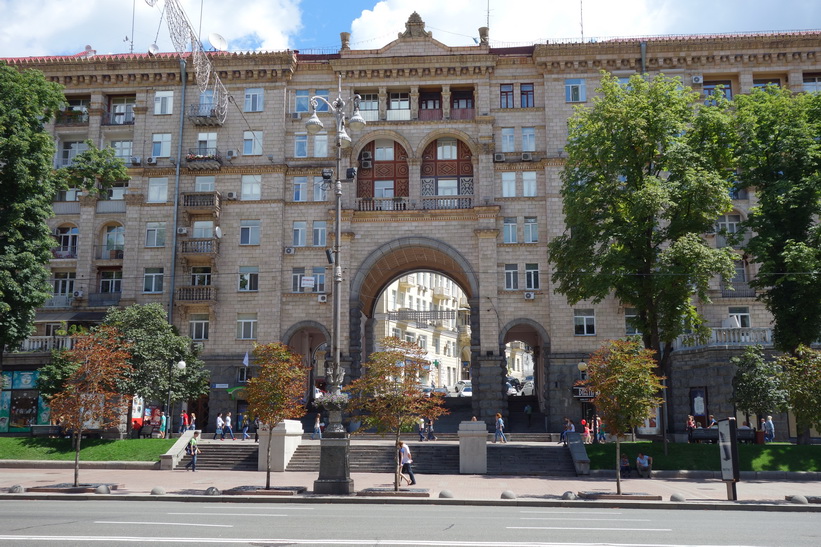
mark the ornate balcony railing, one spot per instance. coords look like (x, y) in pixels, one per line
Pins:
(104, 299)
(199, 246)
(45, 343)
(58, 301)
(449, 202)
(204, 114)
(430, 114)
(736, 289)
(72, 117)
(728, 336)
(382, 204)
(63, 251)
(197, 293)
(203, 158)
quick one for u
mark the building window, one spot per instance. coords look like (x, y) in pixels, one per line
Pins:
(163, 103)
(248, 278)
(243, 375)
(511, 277)
(508, 184)
(369, 106)
(67, 238)
(69, 194)
(399, 106)
(383, 189)
(527, 98)
(741, 315)
(509, 230)
(766, 81)
(396, 333)
(301, 145)
(249, 232)
(203, 229)
(320, 145)
(574, 91)
(812, 83)
(157, 190)
(251, 187)
(320, 230)
(319, 279)
(302, 101)
(296, 279)
(206, 144)
(204, 183)
(252, 143)
(506, 96)
(253, 99)
(300, 188)
(300, 227)
(198, 326)
(122, 150)
(529, 184)
(117, 191)
(111, 281)
(724, 86)
(201, 276)
(584, 321)
(121, 110)
(531, 230)
(161, 145)
(155, 234)
(383, 150)
(322, 106)
(64, 283)
(446, 149)
(508, 139)
(631, 315)
(70, 151)
(247, 326)
(726, 226)
(152, 280)
(422, 341)
(532, 277)
(320, 189)
(528, 139)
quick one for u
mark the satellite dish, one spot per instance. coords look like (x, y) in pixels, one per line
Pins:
(218, 232)
(218, 42)
(153, 49)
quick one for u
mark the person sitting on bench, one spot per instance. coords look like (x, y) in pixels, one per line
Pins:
(624, 467)
(644, 465)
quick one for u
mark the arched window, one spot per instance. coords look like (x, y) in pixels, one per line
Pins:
(447, 170)
(113, 241)
(382, 181)
(67, 237)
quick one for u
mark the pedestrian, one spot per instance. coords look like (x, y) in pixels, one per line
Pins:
(406, 461)
(586, 438)
(220, 425)
(500, 429)
(193, 450)
(246, 423)
(769, 430)
(192, 421)
(602, 436)
(624, 467)
(257, 425)
(569, 427)
(183, 421)
(712, 423)
(317, 427)
(528, 413)
(421, 425)
(431, 436)
(227, 427)
(163, 425)
(690, 426)
(644, 465)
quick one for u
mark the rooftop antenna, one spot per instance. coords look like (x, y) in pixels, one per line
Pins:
(218, 42)
(581, 17)
(133, 16)
(153, 49)
(488, 14)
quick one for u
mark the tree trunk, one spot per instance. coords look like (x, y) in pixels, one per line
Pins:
(618, 466)
(398, 472)
(268, 463)
(77, 437)
(803, 437)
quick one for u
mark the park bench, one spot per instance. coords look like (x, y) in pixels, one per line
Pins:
(45, 431)
(146, 431)
(710, 435)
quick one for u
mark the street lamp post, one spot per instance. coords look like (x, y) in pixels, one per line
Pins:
(169, 420)
(334, 468)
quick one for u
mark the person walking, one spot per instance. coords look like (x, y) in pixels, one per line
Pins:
(192, 421)
(500, 429)
(421, 425)
(220, 424)
(183, 421)
(317, 427)
(431, 436)
(406, 461)
(246, 423)
(163, 425)
(257, 425)
(193, 450)
(769, 430)
(528, 413)
(227, 430)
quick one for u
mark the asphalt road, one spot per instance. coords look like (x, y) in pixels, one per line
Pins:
(84, 523)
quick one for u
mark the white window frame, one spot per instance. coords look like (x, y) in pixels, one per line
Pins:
(511, 277)
(111, 281)
(198, 326)
(155, 234)
(204, 183)
(447, 149)
(157, 190)
(532, 282)
(320, 189)
(575, 90)
(629, 328)
(203, 229)
(249, 231)
(508, 139)
(510, 230)
(252, 143)
(254, 99)
(531, 230)
(508, 184)
(742, 314)
(161, 145)
(320, 233)
(321, 145)
(300, 188)
(163, 103)
(296, 280)
(319, 279)
(301, 145)
(529, 184)
(300, 229)
(248, 279)
(251, 187)
(383, 150)
(152, 280)
(302, 100)
(584, 322)
(247, 326)
(123, 150)
(201, 276)
(528, 139)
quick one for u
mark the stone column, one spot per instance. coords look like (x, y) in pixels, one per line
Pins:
(446, 103)
(473, 448)
(414, 102)
(284, 439)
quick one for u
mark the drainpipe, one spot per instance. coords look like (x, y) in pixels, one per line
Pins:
(172, 287)
(643, 57)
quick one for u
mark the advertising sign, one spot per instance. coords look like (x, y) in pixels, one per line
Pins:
(728, 449)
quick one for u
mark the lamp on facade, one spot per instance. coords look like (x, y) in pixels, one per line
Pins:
(333, 478)
(169, 419)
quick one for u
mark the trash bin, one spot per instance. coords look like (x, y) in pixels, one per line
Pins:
(759, 437)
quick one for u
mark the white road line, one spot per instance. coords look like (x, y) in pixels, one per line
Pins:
(585, 519)
(589, 529)
(238, 514)
(162, 523)
(571, 512)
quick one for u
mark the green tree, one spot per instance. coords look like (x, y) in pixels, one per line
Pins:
(27, 188)
(156, 345)
(779, 156)
(645, 176)
(91, 397)
(621, 374)
(274, 394)
(802, 379)
(757, 384)
(388, 394)
(94, 170)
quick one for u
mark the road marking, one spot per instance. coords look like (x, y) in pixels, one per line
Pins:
(140, 522)
(589, 528)
(238, 514)
(586, 519)
(572, 512)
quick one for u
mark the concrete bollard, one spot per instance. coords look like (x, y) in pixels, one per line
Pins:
(103, 489)
(799, 500)
(445, 494)
(677, 497)
(508, 495)
(212, 491)
(16, 489)
(568, 496)
(158, 491)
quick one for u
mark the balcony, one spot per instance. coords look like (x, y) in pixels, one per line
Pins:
(441, 293)
(424, 318)
(103, 299)
(108, 252)
(45, 344)
(202, 203)
(370, 115)
(197, 294)
(62, 253)
(737, 289)
(462, 113)
(118, 118)
(66, 207)
(204, 114)
(728, 336)
(382, 204)
(199, 251)
(430, 114)
(58, 301)
(201, 159)
(399, 115)
(111, 206)
(447, 202)
(72, 117)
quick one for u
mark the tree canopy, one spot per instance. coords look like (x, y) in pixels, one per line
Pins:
(757, 385)
(646, 175)
(779, 155)
(801, 378)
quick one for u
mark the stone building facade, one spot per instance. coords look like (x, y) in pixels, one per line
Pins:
(222, 220)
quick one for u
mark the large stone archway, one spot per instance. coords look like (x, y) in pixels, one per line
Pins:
(305, 337)
(533, 334)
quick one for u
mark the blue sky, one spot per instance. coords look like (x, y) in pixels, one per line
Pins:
(60, 27)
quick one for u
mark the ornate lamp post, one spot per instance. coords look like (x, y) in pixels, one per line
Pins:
(334, 468)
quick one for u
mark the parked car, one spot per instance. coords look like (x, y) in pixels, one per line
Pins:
(528, 388)
(462, 383)
(466, 391)
(511, 390)
(443, 391)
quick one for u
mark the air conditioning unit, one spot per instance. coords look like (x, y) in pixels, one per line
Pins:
(322, 298)
(499, 157)
(366, 155)
(231, 154)
(151, 160)
(698, 79)
(527, 156)
(295, 115)
(78, 294)
(230, 195)
(290, 250)
(136, 160)
(530, 295)
(366, 164)
(182, 230)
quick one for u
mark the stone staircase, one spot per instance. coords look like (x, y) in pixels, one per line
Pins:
(226, 455)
